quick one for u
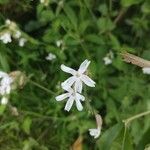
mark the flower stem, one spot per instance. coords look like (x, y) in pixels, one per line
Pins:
(41, 87)
(127, 121)
(124, 138)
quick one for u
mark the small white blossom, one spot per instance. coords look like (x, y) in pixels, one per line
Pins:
(146, 70)
(108, 58)
(5, 83)
(5, 37)
(4, 100)
(72, 96)
(59, 43)
(14, 111)
(45, 2)
(78, 77)
(7, 22)
(50, 56)
(22, 42)
(17, 35)
(97, 131)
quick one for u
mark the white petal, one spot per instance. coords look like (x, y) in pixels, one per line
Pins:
(95, 132)
(69, 82)
(8, 88)
(4, 100)
(61, 97)
(146, 70)
(88, 81)
(83, 67)
(69, 103)
(78, 85)
(107, 60)
(80, 97)
(68, 69)
(79, 105)
(3, 74)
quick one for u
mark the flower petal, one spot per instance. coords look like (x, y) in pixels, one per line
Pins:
(80, 97)
(88, 81)
(68, 69)
(68, 83)
(4, 100)
(3, 74)
(83, 67)
(78, 85)
(69, 103)
(79, 105)
(146, 70)
(62, 97)
(95, 132)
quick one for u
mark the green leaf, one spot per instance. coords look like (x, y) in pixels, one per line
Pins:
(4, 1)
(71, 15)
(127, 3)
(3, 61)
(109, 136)
(123, 141)
(144, 141)
(26, 125)
(146, 6)
(105, 24)
(93, 38)
(2, 109)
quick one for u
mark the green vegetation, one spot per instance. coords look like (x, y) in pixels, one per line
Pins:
(75, 30)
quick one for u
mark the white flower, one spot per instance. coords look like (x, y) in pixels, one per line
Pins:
(17, 35)
(78, 77)
(45, 2)
(72, 96)
(50, 56)
(59, 43)
(6, 37)
(22, 41)
(5, 83)
(42, 1)
(4, 100)
(7, 22)
(95, 132)
(146, 70)
(107, 60)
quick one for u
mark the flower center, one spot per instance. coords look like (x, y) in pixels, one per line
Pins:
(78, 75)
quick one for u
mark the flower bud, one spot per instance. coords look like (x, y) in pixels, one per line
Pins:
(19, 79)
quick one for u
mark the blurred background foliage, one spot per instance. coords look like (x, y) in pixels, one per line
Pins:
(87, 29)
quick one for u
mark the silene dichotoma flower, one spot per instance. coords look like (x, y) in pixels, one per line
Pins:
(6, 37)
(108, 58)
(96, 131)
(5, 86)
(146, 70)
(78, 77)
(50, 57)
(22, 42)
(72, 97)
(5, 83)
(4, 100)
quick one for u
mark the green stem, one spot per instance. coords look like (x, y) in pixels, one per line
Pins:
(127, 121)
(41, 87)
(124, 138)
